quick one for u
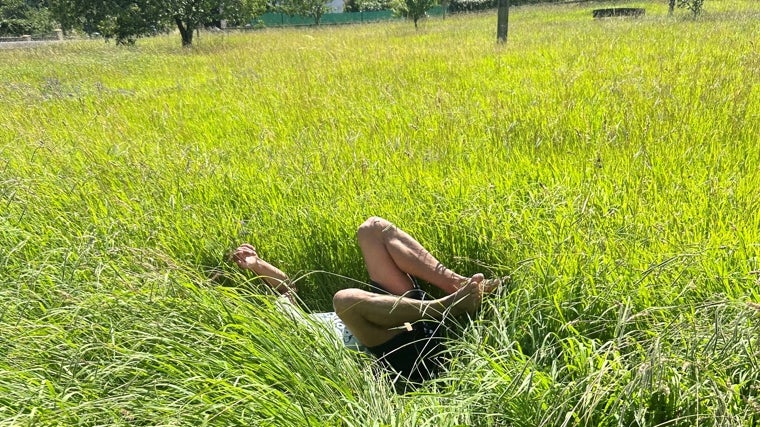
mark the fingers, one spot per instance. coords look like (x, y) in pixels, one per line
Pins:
(244, 255)
(246, 248)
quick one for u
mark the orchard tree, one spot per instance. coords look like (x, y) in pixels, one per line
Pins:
(367, 5)
(413, 9)
(315, 9)
(126, 20)
(312, 8)
(502, 21)
(695, 6)
(19, 17)
(67, 14)
(188, 15)
(122, 20)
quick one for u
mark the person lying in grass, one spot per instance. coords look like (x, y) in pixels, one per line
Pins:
(400, 325)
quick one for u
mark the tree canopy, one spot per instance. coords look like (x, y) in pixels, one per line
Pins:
(127, 20)
(413, 9)
(19, 17)
(312, 8)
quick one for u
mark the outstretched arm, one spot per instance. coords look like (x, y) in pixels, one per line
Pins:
(245, 257)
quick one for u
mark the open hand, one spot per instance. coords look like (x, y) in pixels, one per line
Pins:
(245, 256)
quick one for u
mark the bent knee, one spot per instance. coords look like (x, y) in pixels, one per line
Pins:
(344, 299)
(372, 227)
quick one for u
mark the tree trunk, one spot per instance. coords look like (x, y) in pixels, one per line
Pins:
(502, 24)
(186, 32)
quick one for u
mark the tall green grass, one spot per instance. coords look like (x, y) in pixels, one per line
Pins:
(611, 167)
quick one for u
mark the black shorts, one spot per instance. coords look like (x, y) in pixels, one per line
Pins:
(415, 355)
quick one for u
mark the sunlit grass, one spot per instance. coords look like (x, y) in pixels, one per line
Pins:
(611, 167)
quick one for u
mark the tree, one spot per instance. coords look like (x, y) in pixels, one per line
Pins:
(126, 20)
(367, 5)
(188, 15)
(316, 9)
(471, 5)
(502, 21)
(19, 17)
(66, 14)
(413, 9)
(695, 6)
(312, 8)
(122, 20)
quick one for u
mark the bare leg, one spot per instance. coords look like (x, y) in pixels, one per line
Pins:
(391, 256)
(245, 257)
(374, 319)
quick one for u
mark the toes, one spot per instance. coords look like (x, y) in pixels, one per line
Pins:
(491, 284)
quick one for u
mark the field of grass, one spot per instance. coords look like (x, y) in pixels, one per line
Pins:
(610, 167)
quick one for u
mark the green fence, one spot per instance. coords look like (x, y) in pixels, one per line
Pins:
(283, 20)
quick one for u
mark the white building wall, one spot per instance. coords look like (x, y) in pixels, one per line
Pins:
(335, 6)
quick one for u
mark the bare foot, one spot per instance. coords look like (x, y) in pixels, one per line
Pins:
(469, 297)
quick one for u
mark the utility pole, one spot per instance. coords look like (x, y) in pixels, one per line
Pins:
(502, 24)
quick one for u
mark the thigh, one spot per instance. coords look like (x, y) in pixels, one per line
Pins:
(370, 335)
(382, 269)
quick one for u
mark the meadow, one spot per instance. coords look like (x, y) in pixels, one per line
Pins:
(610, 167)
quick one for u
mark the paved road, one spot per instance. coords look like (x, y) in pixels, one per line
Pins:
(18, 45)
